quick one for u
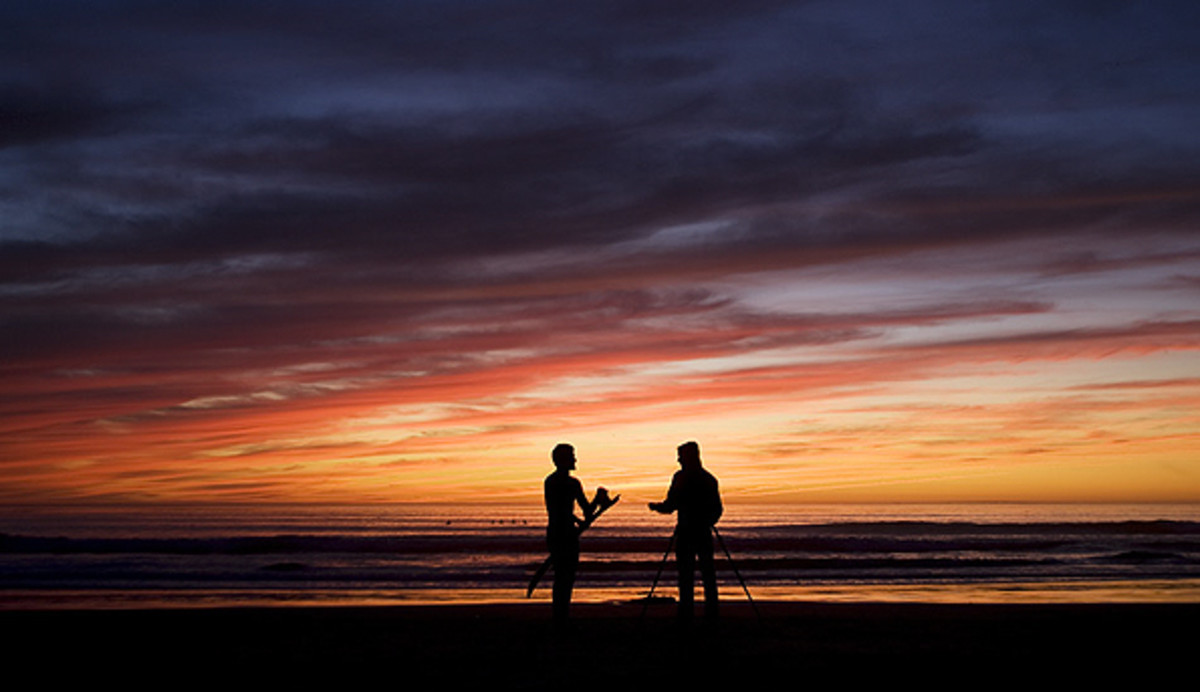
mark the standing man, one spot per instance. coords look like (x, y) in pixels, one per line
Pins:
(696, 499)
(563, 492)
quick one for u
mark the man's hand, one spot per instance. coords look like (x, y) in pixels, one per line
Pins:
(602, 500)
(658, 507)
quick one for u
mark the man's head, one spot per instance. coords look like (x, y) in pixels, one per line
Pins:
(563, 456)
(689, 454)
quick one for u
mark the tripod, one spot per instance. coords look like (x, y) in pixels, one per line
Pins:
(737, 573)
(654, 585)
(728, 556)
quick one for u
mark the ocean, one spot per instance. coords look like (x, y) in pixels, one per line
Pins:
(204, 556)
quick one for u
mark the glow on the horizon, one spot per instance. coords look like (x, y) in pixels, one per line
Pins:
(1079, 417)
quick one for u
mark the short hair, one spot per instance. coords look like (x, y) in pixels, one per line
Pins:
(689, 449)
(562, 453)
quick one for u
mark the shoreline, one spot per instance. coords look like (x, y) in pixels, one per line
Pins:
(1044, 592)
(514, 645)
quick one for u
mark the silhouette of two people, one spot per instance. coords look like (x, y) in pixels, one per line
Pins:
(693, 497)
(696, 501)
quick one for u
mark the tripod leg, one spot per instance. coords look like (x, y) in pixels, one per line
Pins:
(654, 585)
(737, 573)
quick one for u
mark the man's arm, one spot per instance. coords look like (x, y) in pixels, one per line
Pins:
(588, 508)
(672, 502)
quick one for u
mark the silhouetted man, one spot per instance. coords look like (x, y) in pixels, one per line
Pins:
(697, 501)
(563, 492)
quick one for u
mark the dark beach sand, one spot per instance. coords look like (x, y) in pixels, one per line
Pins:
(794, 645)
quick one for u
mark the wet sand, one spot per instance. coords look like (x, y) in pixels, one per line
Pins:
(514, 646)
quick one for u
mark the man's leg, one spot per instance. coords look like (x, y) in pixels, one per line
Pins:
(708, 573)
(566, 562)
(685, 561)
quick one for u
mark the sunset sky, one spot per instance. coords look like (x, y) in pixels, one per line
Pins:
(395, 251)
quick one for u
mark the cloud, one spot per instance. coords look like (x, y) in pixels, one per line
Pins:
(463, 201)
